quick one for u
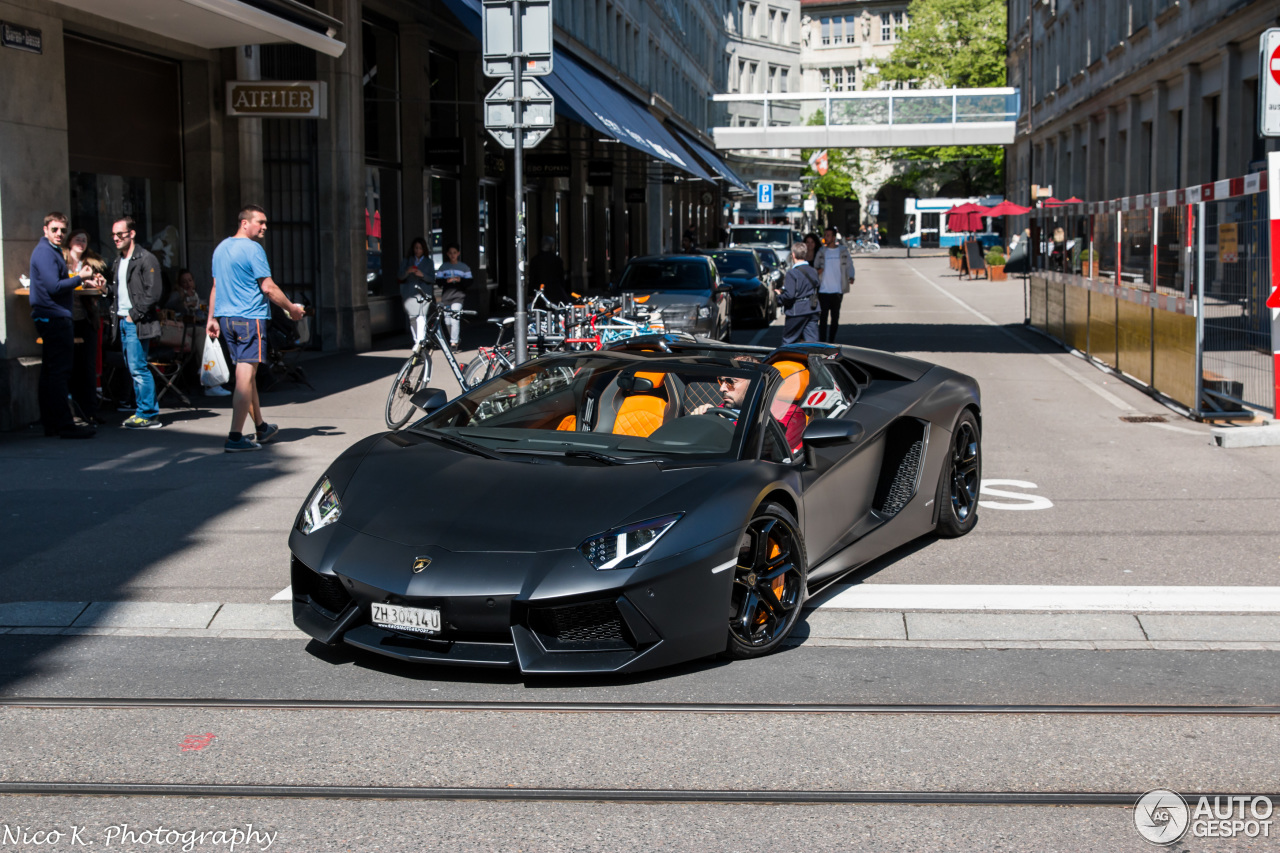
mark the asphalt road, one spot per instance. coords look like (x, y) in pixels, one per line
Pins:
(164, 516)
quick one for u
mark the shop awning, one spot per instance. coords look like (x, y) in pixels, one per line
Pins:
(589, 99)
(713, 160)
(223, 23)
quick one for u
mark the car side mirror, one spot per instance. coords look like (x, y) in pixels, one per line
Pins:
(724, 288)
(430, 400)
(824, 432)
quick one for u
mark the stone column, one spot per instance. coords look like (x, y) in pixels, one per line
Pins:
(249, 130)
(1133, 157)
(1193, 170)
(1113, 169)
(1233, 152)
(1164, 148)
(1077, 187)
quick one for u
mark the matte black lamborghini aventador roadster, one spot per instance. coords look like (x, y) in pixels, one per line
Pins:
(618, 511)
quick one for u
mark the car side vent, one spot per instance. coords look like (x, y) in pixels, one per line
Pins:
(900, 470)
(592, 626)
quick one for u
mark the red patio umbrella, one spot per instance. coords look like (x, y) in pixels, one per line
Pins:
(966, 217)
(1008, 208)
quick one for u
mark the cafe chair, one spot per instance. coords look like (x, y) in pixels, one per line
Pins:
(169, 357)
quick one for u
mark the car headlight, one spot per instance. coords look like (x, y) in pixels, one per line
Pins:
(322, 508)
(704, 312)
(622, 547)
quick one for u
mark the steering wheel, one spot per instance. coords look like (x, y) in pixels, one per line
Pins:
(724, 412)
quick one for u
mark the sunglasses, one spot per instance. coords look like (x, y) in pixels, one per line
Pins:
(119, 235)
(729, 380)
(56, 230)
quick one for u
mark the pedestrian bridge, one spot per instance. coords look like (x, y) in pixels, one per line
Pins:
(912, 118)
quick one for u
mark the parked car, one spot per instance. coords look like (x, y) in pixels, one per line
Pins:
(754, 300)
(687, 289)
(778, 237)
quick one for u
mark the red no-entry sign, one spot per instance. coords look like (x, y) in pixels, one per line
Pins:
(1269, 78)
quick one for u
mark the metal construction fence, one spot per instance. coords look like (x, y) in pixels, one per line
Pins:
(1169, 288)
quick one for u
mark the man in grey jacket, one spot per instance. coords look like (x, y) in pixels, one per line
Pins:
(835, 273)
(135, 277)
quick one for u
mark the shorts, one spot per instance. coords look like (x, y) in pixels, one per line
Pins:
(244, 339)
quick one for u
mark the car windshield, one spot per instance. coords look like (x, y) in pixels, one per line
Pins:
(776, 236)
(666, 275)
(740, 264)
(604, 408)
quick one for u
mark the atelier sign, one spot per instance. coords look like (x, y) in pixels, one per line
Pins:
(22, 38)
(278, 98)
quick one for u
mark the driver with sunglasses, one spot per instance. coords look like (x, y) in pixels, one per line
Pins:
(733, 394)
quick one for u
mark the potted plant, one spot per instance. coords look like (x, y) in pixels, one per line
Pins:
(995, 265)
(956, 253)
(1089, 263)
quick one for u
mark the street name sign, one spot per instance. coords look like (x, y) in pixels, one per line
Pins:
(764, 196)
(499, 31)
(538, 119)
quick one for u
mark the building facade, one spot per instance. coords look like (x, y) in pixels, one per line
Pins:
(843, 43)
(1121, 97)
(121, 107)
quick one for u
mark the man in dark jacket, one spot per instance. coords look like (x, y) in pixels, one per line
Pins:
(51, 294)
(799, 299)
(547, 269)
(137, 290)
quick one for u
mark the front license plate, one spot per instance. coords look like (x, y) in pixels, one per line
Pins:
(420, 620)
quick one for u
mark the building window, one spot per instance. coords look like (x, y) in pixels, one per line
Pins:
(826, 32)
(891, 25)
(782, 81)
(838, 79)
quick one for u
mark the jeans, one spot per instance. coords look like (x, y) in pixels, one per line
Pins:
(828, 306)
(55, 372)
(454, 324)
(144, 385)
(416, 312)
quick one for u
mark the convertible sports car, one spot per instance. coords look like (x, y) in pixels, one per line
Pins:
(623, 510)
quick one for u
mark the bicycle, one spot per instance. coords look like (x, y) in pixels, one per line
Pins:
(868, 246)
(416, 371)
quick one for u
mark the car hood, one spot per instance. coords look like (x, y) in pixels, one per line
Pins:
(672, 298)
(742, 282)
(418, 493)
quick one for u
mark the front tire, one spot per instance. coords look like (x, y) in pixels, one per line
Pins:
(961, 479)
(478, 371)
(769, 584)
(412, 378)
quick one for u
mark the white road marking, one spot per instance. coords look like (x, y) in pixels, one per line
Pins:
(285, 594)
(1183, 430)
(729, 565)
(1023, 501)
(1101, 392)
(1120, 599)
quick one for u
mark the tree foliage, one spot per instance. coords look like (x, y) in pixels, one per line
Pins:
(837, 183)
(950, 44)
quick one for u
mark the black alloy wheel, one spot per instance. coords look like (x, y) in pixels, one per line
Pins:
(961, 479)
(769, 584)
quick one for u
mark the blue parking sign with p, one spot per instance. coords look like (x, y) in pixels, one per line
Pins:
(764, 195)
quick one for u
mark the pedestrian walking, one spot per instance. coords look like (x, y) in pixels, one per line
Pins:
(799, 299)
(137, 293)
(456, 278)
(417, 270)
(835, 271)
(52, 290)
(813, 242)
(239, 312)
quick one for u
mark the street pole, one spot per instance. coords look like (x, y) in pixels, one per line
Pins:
(517, 62)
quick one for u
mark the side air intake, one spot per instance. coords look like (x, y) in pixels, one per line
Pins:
(900, 470)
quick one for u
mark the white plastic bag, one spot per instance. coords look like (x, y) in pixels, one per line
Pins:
(213, 367)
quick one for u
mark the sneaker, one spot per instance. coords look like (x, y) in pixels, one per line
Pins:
(136, 422)
(245, 443)
(216, 391)
(265, 435)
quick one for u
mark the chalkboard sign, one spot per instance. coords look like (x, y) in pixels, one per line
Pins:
(973, 259)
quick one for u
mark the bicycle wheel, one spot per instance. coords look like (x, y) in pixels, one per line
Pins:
(412, 378)
(479, 370)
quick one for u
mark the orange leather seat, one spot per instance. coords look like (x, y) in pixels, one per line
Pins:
(795, 384)
(640, 413)
(568, 423)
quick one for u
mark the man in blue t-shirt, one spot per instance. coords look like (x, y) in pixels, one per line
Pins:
(239, 312)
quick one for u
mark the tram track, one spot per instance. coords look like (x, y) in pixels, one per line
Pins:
(561, 707)
(596, 795)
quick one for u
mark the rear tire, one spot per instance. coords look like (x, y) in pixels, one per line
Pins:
(478, 371)
(961, 479)
(412, 378)
(769, 584)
